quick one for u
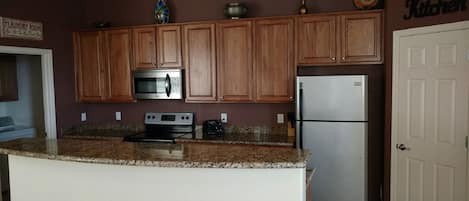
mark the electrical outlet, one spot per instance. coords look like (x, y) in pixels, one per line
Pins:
(118, 116)
(280, 118)
(224, 117)
(83, 116)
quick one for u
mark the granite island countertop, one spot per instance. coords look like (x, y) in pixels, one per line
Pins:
(158, 155)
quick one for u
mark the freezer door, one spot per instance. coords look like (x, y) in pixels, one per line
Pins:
(332, 98)
(339, 155)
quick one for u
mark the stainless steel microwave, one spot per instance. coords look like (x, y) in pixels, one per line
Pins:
(158, 84)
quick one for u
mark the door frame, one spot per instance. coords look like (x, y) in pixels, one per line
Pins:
(463, 25)
(48, 92)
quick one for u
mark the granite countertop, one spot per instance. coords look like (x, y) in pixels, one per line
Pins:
(158, 155)
(242, 138)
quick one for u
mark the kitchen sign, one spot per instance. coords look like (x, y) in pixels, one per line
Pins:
(20, 29)
(424, 8)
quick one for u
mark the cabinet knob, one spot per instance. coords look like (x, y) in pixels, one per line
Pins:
(333, 58)
(291, 97)
(343, 58)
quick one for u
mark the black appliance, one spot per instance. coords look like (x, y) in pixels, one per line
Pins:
(213, 127)
(165, 128)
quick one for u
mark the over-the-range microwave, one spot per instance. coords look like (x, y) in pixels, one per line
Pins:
(158, 84)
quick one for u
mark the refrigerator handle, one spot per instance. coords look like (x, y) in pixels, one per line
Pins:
(300, 115)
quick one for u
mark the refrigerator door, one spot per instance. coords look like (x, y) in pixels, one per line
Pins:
(339, 156)
(332, 98)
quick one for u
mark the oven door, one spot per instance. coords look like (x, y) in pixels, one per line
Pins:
(158, 84)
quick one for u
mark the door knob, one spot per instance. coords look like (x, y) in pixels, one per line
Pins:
(402, 147)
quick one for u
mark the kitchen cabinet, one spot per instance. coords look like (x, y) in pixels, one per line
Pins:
(144, 47)
(169, 46)
(102, 66)
(274, 64)
(317, 40)
(200, 62)
(340, 39)
(234, 66)
(361, 38)
(118, 69)
(8, 78)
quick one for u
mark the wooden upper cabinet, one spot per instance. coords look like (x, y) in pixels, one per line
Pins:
(200, 62)
(361, 38)
(169, 46)
(144, 48)
(89, 70)
(119, 79)
(8, 78)
(316, 39)
(234, 56)
(274, 60)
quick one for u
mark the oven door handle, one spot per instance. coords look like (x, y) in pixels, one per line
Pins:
(167, 84)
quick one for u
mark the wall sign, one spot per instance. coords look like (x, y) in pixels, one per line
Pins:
(423, 8)
(21, 29)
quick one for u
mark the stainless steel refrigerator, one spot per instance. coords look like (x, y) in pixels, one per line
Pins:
(332, 122)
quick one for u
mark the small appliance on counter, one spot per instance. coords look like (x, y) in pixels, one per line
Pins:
(165, 128)
(158, 84)
(213, 127)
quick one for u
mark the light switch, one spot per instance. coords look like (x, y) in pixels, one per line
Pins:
(118, 116)
(280, 118)
(83, 116)
(224, 117)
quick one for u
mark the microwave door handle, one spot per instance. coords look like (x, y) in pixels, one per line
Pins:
(168, 85)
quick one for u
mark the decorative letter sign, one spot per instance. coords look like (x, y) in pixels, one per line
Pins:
(423, 8)
(21, 29)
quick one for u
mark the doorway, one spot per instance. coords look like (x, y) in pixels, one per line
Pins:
(430, 113)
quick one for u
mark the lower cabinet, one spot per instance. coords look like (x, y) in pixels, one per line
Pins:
(274, 64)
(102, 66)
(8, 78)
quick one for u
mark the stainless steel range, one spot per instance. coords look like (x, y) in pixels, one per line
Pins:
(165, 128)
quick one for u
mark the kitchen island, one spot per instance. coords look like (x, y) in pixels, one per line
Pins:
(76, 170)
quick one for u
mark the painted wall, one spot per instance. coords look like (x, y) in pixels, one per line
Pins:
(29, 109)
(395, 10)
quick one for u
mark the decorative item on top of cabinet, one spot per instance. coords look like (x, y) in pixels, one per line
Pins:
(161, 13)
(200, 62)
(317, 39)
(303, 9)
(274, 65)
(365, 4)
(102, 66)
(169, 46)
(235, 10)
(361, 38)
(234, 66)
(8, 78)
(144, 47)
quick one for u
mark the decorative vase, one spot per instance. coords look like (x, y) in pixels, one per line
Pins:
(161, 12)
(235, 10)
(303, 10)
(365, 4)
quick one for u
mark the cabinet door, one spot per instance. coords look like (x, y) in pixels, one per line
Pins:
(8, 78)
(144, 48)
(169, 46)
(235, 73)
(89, 71)
(199, 61)
(119, 81)
(361, 38)
(317, 40)
(273, 62)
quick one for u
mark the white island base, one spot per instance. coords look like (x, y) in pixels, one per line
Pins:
(34, 179)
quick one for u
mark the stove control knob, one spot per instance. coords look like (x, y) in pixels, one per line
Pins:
(182, 117)
(153, 117)
(148, 117)
(187, 117)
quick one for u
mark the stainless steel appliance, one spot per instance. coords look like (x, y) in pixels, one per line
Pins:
(332, 123)
(158, 84)
(165, 128)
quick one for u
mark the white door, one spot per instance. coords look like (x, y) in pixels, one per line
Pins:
(430, 113)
